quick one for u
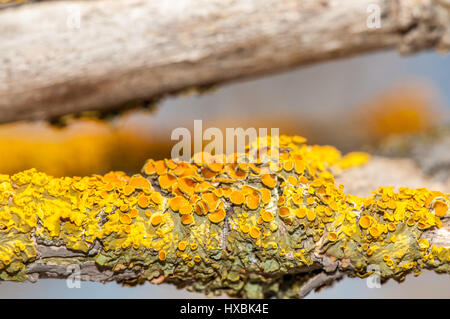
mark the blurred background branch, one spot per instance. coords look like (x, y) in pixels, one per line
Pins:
(64, 57)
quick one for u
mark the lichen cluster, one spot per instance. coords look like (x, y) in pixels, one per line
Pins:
(251, 229)
(4, 2)
(97, 145)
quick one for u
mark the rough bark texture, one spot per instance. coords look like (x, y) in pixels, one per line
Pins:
(132, 50)
(231, 227)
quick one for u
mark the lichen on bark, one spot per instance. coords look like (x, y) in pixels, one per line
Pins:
(269, 227)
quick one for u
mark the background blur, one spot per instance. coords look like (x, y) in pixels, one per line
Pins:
(354, 104)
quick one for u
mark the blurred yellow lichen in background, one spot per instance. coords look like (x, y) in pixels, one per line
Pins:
(87, 146)
(12, 1)
(402, 110)
(83, 147)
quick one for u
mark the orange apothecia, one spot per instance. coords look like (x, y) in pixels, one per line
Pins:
(184, 213)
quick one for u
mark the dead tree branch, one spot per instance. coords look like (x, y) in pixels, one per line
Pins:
(132, 50)
(231, 227)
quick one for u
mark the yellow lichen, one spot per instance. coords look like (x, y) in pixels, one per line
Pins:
(175, 208)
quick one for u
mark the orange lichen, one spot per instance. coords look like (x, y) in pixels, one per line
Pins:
(365, 221)
(149, 168)
(374, 232)
(143, 201)
(160, 167)
(128, 190)
(237, 198)
(182, 245)
(245, 228)
(235, 172)
(211, 200)
(156, 219)
(310, 215)
(300, 212)
(332, 236)
(156, 198)
(423, 243)
(187, 219)
(288, 165)
(185, 210)
(133, 213)
(293, 180)
(162, 255)
(266, 215)
(186, 185)
(391, 227)
(201, 208)
(225, 210)
(217, 216)
(166, 181)
(440, 208)
(354, 159)
(139, 182)
(310, 200)
(266, 195)
(255, 232)
(269, 180)
(252, 201)
(284, 211)
(125, 219)
(177, 202)
(404, 110)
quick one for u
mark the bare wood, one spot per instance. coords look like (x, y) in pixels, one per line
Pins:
(128, 50)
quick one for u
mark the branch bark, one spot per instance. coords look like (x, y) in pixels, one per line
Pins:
(228, 228)
(135, 50)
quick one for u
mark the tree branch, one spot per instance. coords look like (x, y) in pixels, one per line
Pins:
(134, 50)
(247, 229)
